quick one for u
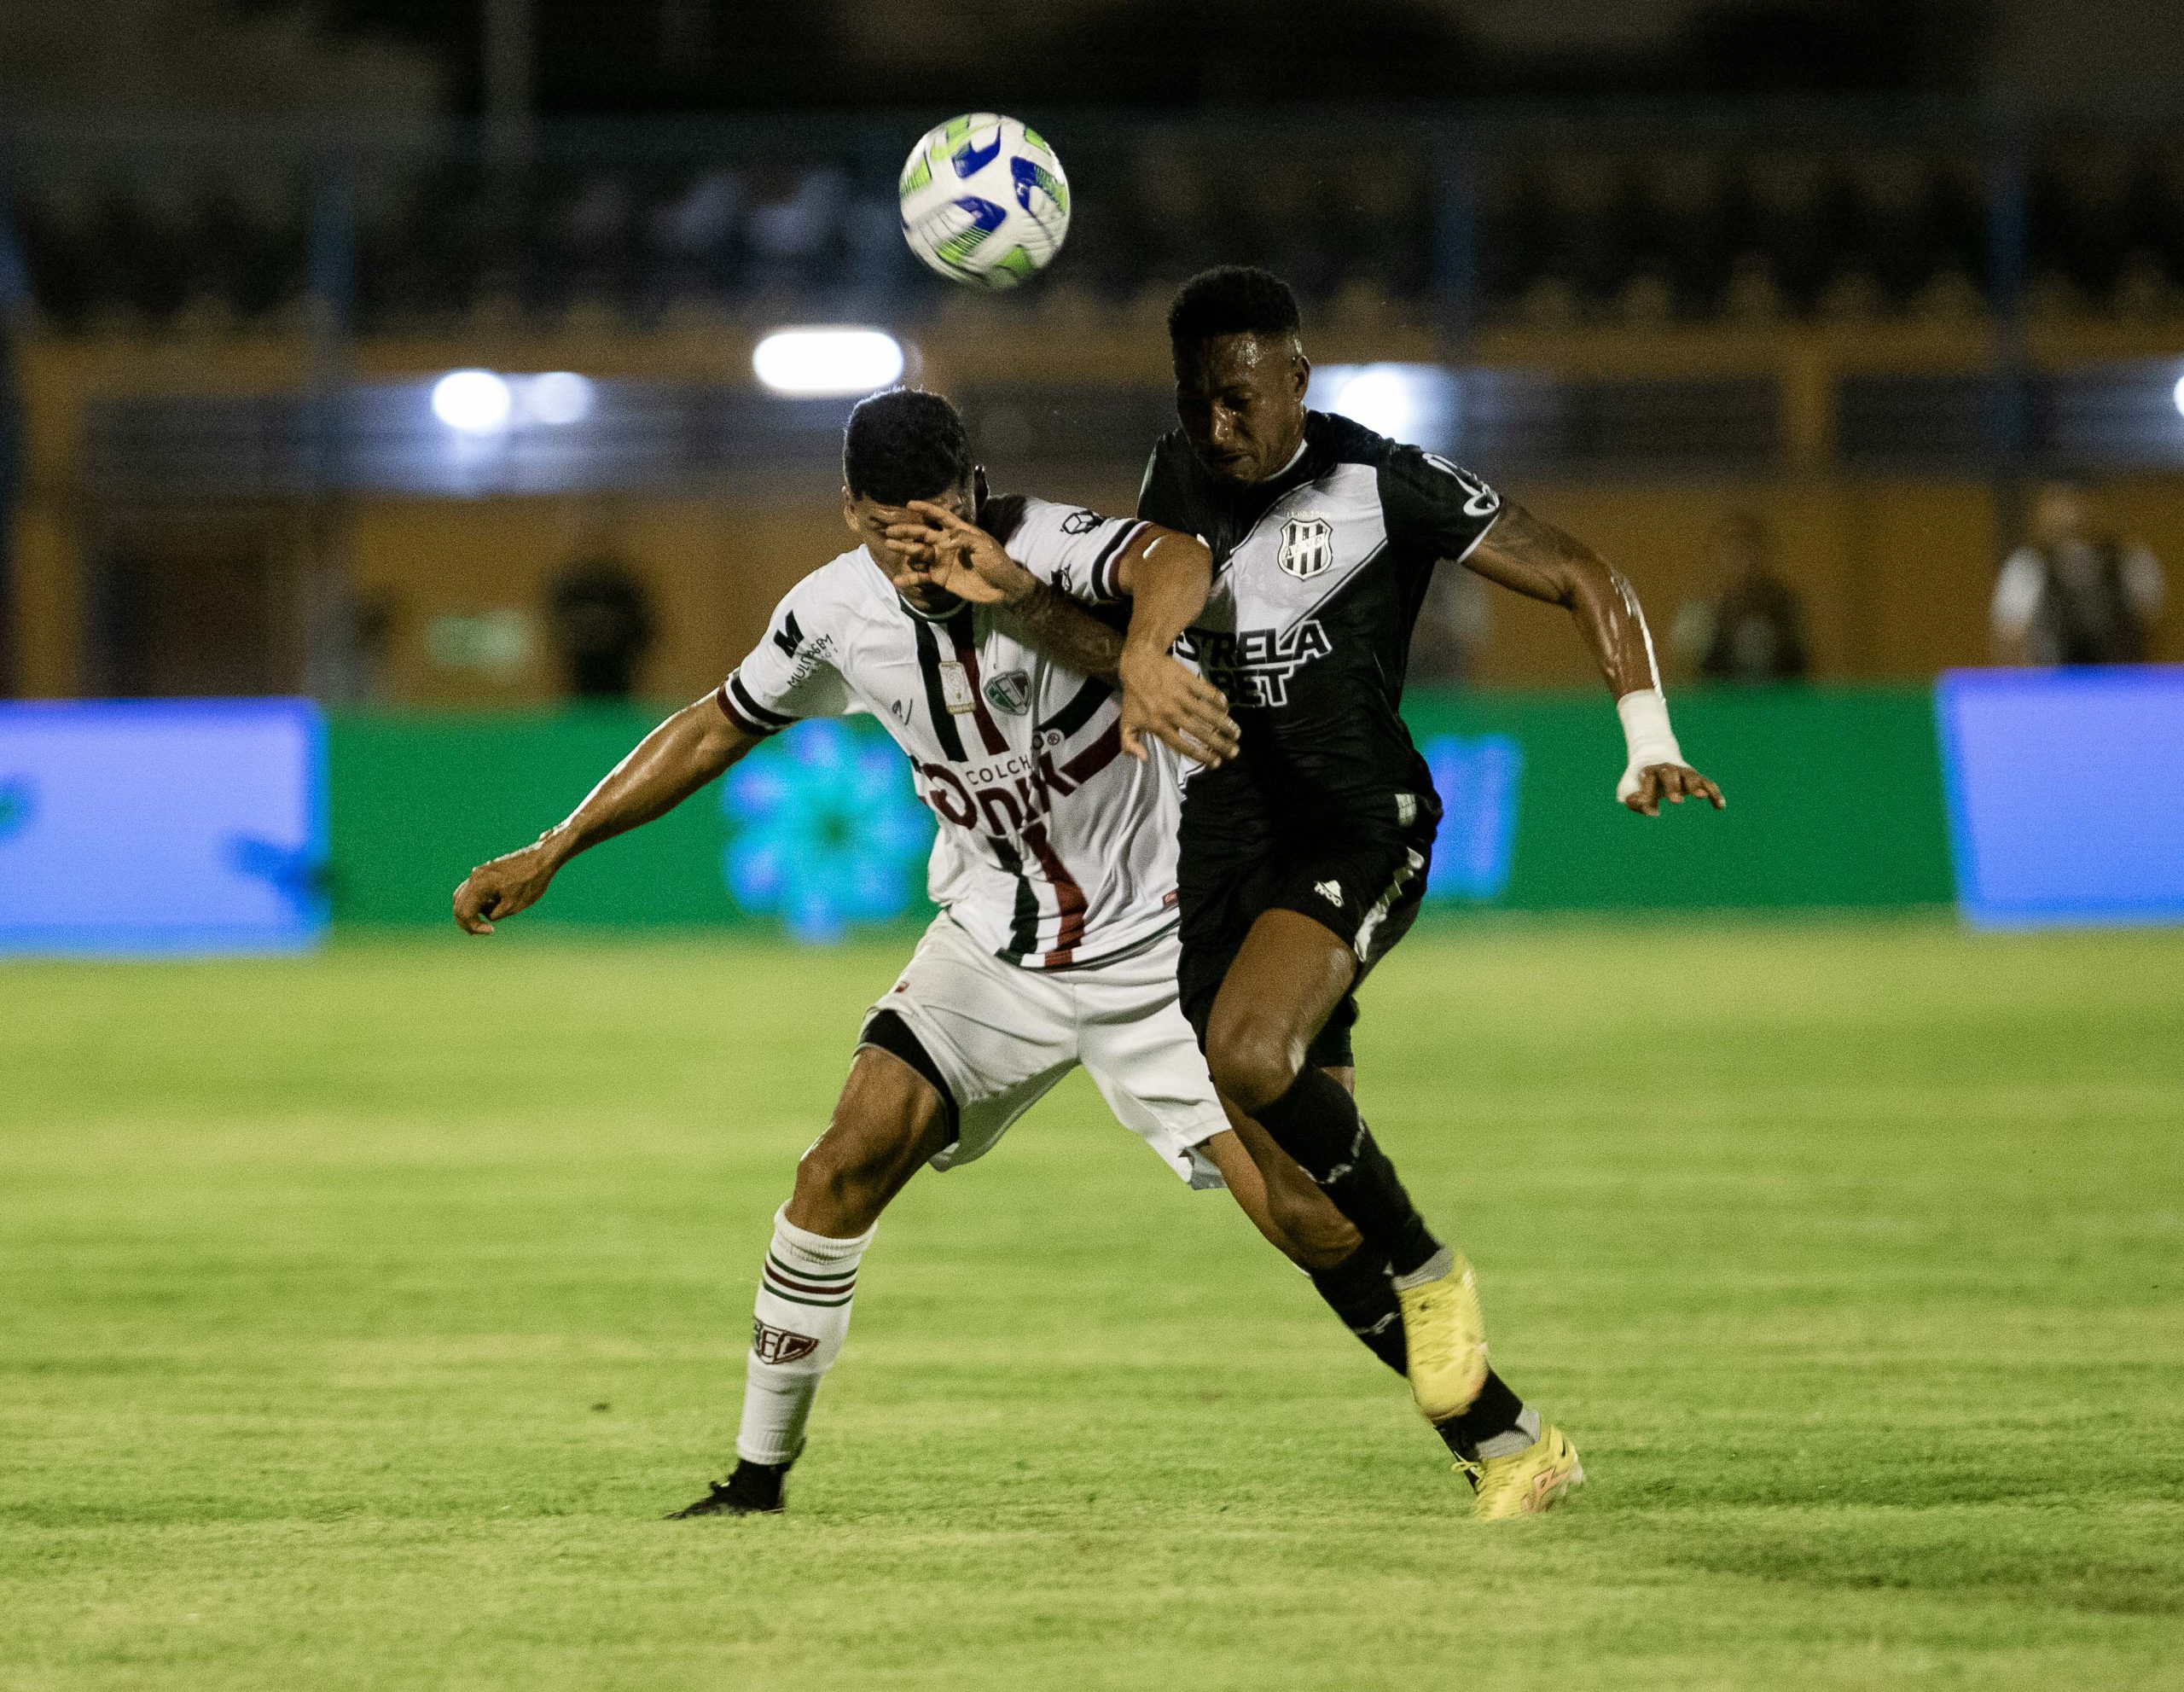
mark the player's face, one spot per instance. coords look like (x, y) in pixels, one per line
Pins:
(1240, 398)
(869, 521)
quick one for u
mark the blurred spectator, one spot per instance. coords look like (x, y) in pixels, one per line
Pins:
(1751, 631)
(602, 624)
(792, 237)
(2076, 592)
(692, 234)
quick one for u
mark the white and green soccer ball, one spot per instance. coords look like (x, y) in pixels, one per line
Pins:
(985, 201)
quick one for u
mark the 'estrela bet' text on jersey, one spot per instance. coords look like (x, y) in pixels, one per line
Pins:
(1054, 849)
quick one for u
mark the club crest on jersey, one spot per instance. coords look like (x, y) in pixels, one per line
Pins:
(1307, 547)
(778, 1345)
(1010, 691)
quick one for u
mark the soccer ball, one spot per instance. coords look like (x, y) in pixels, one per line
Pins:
(985, 201)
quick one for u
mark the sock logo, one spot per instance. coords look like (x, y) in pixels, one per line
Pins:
(779, 1344)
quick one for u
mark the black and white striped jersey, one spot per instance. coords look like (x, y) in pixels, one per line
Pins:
(1318, 575)
(1054, 849)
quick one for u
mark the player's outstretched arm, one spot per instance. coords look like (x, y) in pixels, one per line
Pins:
(1166, 577)
(666, 767)
(1539, 559)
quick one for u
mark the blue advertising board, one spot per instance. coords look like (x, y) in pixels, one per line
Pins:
(156, 826)
(2065, 794)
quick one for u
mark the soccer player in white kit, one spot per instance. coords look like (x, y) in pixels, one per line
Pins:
(1055, 868)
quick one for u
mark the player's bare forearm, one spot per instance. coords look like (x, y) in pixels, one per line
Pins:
(669, 765)
(1167, 577)
(1538, 560)
(1067, 632)
(672, 762)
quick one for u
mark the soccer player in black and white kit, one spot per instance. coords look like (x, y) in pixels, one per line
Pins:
(1303, 858)
(951, 623)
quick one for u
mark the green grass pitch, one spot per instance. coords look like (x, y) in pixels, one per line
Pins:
(363, 1315)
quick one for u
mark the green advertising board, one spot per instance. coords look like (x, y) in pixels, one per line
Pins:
(1835, 800)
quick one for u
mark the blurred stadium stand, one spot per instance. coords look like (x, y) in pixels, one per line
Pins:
(1870, 322)
(1627, 215)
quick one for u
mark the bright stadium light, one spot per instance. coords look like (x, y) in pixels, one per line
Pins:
(1412, 403)
(1384, 397)
(476, 402)
(813, 363)
(2177, 395)
(1415, 403)
(558, 397)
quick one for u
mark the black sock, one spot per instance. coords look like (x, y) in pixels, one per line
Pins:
(1495, 1411)
(1316, 1122)
(1360, 1290)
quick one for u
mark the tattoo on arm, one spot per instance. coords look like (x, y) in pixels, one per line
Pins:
(1538, 560)
(1069, 634)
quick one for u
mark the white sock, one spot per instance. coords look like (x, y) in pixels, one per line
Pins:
(801, 1317)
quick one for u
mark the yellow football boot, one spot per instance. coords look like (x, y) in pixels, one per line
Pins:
(1445, 1336)
(1529, 1482)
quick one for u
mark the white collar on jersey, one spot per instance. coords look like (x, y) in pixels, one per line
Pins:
(1303, 441)
(955, 606)
(922, 616)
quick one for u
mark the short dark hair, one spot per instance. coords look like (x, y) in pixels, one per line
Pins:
(904, 445)
(1234, 299)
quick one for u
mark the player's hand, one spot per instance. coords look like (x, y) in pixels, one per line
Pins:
(958, 557)
(509, 884)
(1163, 698)
(1673, 782)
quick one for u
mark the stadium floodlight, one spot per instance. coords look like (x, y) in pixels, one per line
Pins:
(2177, 395)
(475, 402)
(557, 398)
(1408, 402)
(818, 362)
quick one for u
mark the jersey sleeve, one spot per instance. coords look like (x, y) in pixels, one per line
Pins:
(1066, 546)
(793, 672)
(1160, 496)
(1435, 509)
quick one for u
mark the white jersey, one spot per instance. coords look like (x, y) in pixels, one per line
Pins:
(1055, 850)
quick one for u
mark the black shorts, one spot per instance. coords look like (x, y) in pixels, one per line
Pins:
(1366, 888)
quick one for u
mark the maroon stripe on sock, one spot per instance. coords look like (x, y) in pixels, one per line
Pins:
(790, 1283)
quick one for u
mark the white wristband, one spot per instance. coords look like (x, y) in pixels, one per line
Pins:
(1646, 734)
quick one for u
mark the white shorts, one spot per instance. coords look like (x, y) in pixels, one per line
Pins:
(1002, 1036)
